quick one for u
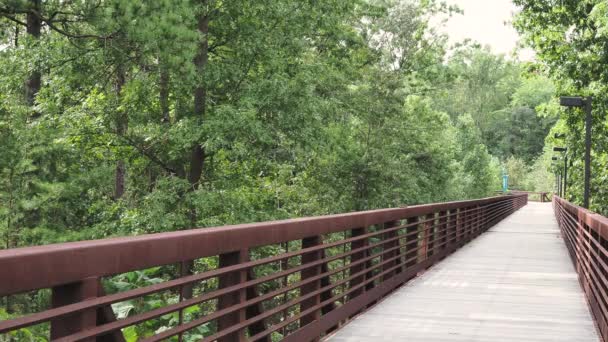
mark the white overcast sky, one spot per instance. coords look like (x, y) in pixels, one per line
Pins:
(487, 22)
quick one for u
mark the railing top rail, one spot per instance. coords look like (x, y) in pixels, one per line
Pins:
(517, 192)
(29, 268)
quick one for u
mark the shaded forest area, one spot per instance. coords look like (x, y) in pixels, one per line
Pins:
(125, 117)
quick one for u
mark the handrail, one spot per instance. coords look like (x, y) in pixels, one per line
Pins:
(328, 267)
(586, 236)
(543, 196)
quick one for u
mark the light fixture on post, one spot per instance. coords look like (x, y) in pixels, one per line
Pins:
(586, 104)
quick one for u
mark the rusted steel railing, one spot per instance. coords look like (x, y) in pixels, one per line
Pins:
(320, 272)
(586, 237)
(543, 197)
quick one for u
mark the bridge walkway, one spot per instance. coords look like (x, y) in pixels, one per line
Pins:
(513, 283)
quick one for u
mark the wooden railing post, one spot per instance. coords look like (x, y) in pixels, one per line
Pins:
(228, 300)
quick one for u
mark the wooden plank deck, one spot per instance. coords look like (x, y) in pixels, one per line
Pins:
(513, 283)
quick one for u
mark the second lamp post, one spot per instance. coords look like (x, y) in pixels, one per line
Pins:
(565, 180)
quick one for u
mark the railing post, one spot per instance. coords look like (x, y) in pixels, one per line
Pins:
(228, 300)
(326, 295)
(411, 243)
(76, 292)
(389, 245)
(478, 229)
(430, 235)
(484, 218)
(451, 227)
(185, 291)
(458, 226)
(475, 222)
(443, 230)
(312, 286)
(69, 294)
(356, 257)
(466, 222)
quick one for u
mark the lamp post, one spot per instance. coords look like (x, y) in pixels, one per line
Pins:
(585, 103)
(558, 180)
(565, 180)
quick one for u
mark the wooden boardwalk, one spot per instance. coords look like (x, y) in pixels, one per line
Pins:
(513, 283)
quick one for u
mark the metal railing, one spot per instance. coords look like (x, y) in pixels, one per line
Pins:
(586, 237)
(319, 272)
(535, 196)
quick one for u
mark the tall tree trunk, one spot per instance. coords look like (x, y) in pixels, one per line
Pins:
(34, 24)
(163, 91)
(17, 33)
(122, 124)
(197, 155)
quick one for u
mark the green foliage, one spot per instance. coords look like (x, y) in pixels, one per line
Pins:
(501, 98)
(157, 116)
(517, 169)
(569, 38)
(478, 172)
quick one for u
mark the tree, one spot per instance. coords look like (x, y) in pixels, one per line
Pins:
(569, 39)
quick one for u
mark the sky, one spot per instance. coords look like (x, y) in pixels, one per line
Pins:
(487, 22)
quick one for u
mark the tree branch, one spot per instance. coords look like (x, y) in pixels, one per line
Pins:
(145, 152)
(10, 17)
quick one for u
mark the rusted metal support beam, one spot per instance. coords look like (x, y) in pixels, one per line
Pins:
(255, 310)
(411, 242)
(431, 235)
(443, 230)
(356, 257)
(226, 301)
(312, 286)
(459, 230)
(390, 245)
(76, 292)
